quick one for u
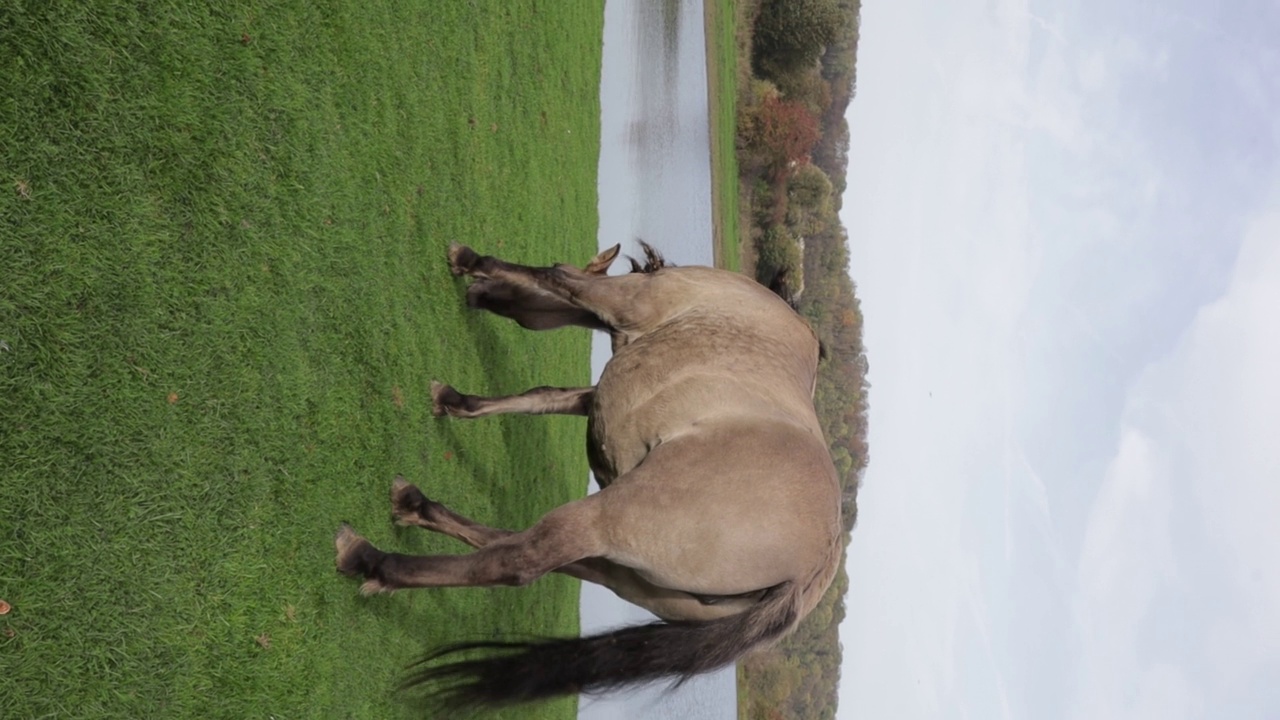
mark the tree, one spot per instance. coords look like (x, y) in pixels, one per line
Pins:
(807, 85)
(793, 34)
(808, 188)
(784, 133)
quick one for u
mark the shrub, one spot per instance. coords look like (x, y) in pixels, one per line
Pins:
(782, 133)
(778, 253)
(809, 188)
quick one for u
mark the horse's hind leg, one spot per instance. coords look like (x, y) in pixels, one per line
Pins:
(563, 536)
(409, 506)
(538, 401)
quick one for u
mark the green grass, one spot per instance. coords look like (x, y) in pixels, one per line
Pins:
(222, 296)
(722, 80)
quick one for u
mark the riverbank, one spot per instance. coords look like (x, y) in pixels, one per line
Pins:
(720, 25)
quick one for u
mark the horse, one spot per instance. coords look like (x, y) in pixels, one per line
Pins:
(719, 507)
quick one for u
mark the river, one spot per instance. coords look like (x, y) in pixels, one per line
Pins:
(654, 184)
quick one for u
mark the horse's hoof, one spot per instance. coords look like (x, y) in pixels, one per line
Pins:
(407, 502)
(443, 398)
(349, 548)
(462, 259)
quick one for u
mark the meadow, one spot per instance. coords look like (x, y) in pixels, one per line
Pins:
(222, 298)
(722, 19)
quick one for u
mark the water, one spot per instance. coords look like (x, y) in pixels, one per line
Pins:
(655, 184)
(655, 169)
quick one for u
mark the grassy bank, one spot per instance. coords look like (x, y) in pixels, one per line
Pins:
(222, 296)
(720, 16)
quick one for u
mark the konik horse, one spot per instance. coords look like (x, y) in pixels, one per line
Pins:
(719, 508)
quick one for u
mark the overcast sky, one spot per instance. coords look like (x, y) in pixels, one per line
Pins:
(1065, 230)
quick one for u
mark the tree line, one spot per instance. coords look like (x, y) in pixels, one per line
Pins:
(797, 76)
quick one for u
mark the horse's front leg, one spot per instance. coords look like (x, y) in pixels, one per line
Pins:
(538, 298)
(538, 401)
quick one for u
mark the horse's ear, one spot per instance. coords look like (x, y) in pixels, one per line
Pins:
(599, 264)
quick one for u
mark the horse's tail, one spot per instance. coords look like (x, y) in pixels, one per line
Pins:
(496, 674)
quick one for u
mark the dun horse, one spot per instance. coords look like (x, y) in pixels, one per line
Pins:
(719, 508)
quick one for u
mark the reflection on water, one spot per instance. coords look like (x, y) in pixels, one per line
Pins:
(654, 71)
(655, 170)
(655, 184)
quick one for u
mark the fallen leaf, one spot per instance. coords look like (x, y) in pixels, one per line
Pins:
(24, 189)
(245, 39)
(172, 398)
(8, 632)
(264, 641)
(291, 613)
(448, 455)
(5, 607)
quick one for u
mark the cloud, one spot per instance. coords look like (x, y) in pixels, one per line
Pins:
(1186, 518)
(1092, 70)
(1230, 414)
(1126, 560)
(1063, 515)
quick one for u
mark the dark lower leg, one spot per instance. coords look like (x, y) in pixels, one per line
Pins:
(538, 401)
(410, 507)
(539, 298)
(517, 559)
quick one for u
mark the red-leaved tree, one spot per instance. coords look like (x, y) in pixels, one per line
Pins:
(785, 133)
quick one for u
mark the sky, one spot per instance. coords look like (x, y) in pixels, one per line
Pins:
(1064, 223)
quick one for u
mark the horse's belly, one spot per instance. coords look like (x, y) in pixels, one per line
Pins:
(668, 382)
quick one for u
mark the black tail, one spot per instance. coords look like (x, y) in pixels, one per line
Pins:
(496, 674)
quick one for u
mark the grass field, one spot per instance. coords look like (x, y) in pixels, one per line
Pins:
(222, 296)
(722, 62)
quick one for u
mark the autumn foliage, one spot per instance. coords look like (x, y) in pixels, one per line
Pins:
(784, 134)
(798, 74)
